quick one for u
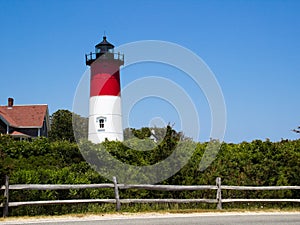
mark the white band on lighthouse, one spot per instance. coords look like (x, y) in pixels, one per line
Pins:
(105, 119)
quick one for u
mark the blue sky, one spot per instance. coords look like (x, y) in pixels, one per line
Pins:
(252, 47)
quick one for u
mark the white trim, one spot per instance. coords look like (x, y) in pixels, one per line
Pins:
(4, 120)
(27, 126)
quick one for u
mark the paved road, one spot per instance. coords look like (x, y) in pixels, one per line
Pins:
(194, 219)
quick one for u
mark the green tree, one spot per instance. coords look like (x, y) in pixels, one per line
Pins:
(80, 127)
(61, 126)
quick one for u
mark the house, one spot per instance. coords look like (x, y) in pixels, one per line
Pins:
(153, 136)
(24, 121)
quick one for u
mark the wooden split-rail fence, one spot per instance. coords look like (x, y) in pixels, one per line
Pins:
(117, 201)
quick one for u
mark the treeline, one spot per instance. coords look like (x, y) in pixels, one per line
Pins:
(45, 161)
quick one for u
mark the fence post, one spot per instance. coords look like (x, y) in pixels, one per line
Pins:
(117, 197)
(219, 193)
(6, 197)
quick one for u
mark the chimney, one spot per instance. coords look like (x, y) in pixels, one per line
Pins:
(10, 102)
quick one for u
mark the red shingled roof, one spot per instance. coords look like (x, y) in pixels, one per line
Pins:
(19, 134)
(24, 115)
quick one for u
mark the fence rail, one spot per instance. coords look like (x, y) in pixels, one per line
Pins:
(218, 187)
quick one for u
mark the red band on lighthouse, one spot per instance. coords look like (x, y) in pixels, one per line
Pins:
(105, 84)
(105, 77)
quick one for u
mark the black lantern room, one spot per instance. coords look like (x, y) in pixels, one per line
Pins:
(103, 47)
(100, 49)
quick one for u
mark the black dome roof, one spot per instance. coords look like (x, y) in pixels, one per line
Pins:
(104, 43)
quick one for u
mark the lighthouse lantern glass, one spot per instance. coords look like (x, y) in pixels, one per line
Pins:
(97, 50)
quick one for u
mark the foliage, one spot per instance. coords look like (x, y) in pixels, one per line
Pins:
(142, 133)
(80, 126)
(59, 162)
(61, 126)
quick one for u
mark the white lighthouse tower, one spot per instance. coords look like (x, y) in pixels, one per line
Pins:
(105, 115)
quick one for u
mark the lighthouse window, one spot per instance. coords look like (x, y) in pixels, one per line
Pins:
(101, 123)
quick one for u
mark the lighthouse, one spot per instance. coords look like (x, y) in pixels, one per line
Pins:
(105, 114)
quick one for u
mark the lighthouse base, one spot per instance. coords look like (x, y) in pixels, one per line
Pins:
(105, 119)
(98, 138)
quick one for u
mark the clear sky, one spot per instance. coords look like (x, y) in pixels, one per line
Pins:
(252, 47)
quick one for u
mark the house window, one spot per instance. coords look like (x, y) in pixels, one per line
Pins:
(101, 123)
